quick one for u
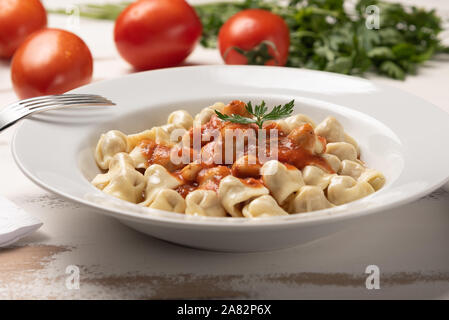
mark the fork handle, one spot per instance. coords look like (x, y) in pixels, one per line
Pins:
(6, 122)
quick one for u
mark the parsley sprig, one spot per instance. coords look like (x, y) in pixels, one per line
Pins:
(260, 114)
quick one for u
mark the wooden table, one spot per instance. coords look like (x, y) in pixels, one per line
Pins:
(409, 244)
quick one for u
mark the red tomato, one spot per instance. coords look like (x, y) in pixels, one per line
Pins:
(18, 19)
(254, 36)
(50, 61)
(152, 34)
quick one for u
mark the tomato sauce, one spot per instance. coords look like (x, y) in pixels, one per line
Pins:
(236, 107)
(157, 154)
(185, 189)
(253, 183)
(293, 154)
(209, 178)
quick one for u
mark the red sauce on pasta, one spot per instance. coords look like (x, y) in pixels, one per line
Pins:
(295, 150)
(185, 189)
(290, 153)
(236, 107)
(254, 183)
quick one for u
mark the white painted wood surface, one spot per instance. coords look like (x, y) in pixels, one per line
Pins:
(408, 244)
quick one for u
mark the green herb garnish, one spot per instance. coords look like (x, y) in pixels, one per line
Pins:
(260, 114)
(326, 36)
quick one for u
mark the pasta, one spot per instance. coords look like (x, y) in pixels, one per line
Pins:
(234, 193)
(122, 180)
(160, 135)
(264, 206)
(357, 171)
(204, 203)
(157, 179)
(343, 150)
(309, 198)
(375, 178)
(305, 137)
(281, 182)
(169, 200)
(138, 157)
(351, 168)
(333, 131)
(301, 167)
(111, 143)
(181, 118)
(206, 114)
(314, 176)
(344, 189)
(287, 125)
(333, 161)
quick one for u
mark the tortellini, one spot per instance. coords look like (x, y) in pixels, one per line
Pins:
(333, 161)
(181, 118)
(344, 189)
(264, 206)
(158, 178)
(139, 159)
(122, 180)
(169, 200)
(351, 168)
(165, 134)
(135, 139)
(207, 113)
(170, 134)
(281, 182)
(333, 131)
(305, 137)
(375, 178)
(343, 150)
(309, 198)
(295, 121)
(315, 176)
(165, 168)
(204, 203)
(234, 193)
(359, 172)
(110, 143)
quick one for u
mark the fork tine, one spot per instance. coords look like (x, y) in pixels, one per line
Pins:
(58, 96)
(73, 101)
(24, 112)
(64, 105)
(21, 109)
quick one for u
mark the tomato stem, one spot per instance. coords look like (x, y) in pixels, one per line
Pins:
(259, 55)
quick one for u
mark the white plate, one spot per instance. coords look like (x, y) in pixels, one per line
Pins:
(399, 134)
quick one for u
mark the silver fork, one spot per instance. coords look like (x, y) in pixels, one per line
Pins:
(24, 108)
